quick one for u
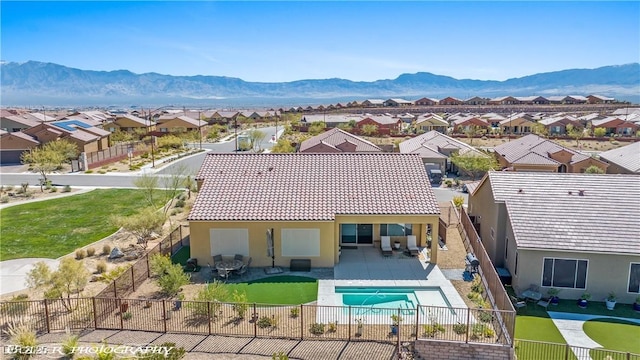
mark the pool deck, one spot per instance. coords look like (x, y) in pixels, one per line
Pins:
(366, 267)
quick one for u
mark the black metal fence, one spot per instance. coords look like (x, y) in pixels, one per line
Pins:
(535, 350)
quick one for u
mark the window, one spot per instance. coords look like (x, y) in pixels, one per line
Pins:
(566, 273)
(634, 278)
(395, 229)
(506, 248)
(515, 270)
(493, 234)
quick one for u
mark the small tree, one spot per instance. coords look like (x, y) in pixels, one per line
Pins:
(215, 292)
(172, 280)
(471, 131)
(474, 164)
(369, 129)
(142, 225)
(255, 138)
(575, 133)
(283, 146)
(316, 128)
(159, 264)
(458, 201)
(599, 132)
(593, 170)
(44, 160)
(539, 130)
(64, 284)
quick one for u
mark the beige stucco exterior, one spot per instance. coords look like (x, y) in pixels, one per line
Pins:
(329, 254)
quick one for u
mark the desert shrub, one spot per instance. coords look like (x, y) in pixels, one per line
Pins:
(80, 254)
(4, 199)
(474, 296)
(317, 328)
(91, 251)
(89, 172)
(22, 335)
(279, 356)
(69, 345)
(333, 327)
(209, 298)
(294, 312)
(240, 305)
(101, 267)
(264, 322)
(66, 189)
(481, 330)
(180, 203)
(160, 264)
(458, 201)
(175, 353)
(106, 249)
(431, 330)
(114, 274)
(460, 328)
(127, 316)
(16, 306)
(476, 286)
(173, 279)
(54, 189)
(485, 316)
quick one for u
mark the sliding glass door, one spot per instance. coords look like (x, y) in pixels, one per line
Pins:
(356, 234)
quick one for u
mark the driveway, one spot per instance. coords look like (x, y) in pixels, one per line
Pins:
(13, 273)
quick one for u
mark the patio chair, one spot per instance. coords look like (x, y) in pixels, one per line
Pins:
(249, 262)
(223, 275)
(385, 245)
(518, 303)
(239, 257)
(217, 259)
(544, 303)
(243, 270)
(412, 246)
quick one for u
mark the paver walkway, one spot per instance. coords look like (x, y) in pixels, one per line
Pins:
(570, 326)
(227, 347)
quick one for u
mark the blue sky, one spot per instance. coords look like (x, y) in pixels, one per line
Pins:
(287, 41)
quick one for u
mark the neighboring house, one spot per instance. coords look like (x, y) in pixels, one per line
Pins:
(397, 102)
(94, 117)
(504, 100)
(87, 138)
(168, 123)
(599, 99)
(448, 101)
(614, 125)
(575, 99)
(517, 124)
(558, 125)
(386, 124)
(337, 141)
(426, 102)
(373, 103)
(330, 120)
(532, 100)
(623, 160)
(13, 123)
(13, 144)
(310, 205)
(465, 124)
(430, 122)
(573, 232)
(129, 123)
(533, 153)
(436, 148)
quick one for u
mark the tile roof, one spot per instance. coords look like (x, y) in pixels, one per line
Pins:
(519, 150)
(311, 187)
(547, 212)
(335, 137)
(435, 141)
(24, 120)
(627, 157)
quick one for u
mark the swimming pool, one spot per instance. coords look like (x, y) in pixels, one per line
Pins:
(377, 299)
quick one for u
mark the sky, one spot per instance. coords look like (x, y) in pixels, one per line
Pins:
(357, 40)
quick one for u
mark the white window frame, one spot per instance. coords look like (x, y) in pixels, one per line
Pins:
(575, 276)
(629, 278)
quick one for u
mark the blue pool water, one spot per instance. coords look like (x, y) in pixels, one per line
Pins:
(378, 299)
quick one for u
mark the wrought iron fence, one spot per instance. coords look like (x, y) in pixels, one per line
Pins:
(535, 350)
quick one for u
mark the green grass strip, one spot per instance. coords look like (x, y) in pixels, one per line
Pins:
(284, 290)
(56, 227)
(614, 334)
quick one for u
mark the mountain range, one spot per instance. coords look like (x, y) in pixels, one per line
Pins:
(35, 83)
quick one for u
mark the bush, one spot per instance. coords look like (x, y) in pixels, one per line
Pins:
(431, 330)
(20, 334)
(101, 267)
(209, 298)
(180, 203)
(481, 330)
(264, 322)
(113, 274)
(91, 251)
(485, 316)
(127, 316)
(159, 265)
(66, 189)
(460, 328)
(333, 327)
(69, 345)
(106, 249)
(317, 328)
(89, 172)
(175, 353)
(54, 189)
(4, 199)
(476, 286)
(279, 356)
(16, 306)
(294, 312)
(80, 254)
(172, 280)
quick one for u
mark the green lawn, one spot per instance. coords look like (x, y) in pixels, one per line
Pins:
(614, 334)
(284, 290)
(537, 329)
(56, 227)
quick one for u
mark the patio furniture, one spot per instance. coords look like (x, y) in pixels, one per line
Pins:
(533, 293)
(217, 259)
(544, 303)
(385, 246)
(223, 274)
(412, 245)
(518, 303)
(229, 265)
(240, 272)
(300, 265)
(239, 257)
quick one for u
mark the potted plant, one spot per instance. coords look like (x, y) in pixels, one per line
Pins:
(611, 301)
(395, 322)
(582, 302)
(553, 296)
(396, 245)
(636, 304)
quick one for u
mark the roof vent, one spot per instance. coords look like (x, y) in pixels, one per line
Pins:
(270, 168)
(570, 193)
(580, 192)
(520, 191)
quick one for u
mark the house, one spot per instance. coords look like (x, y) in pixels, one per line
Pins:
(599, 99)
(476, 100)
(558, 125)
(87, 138)
(385, 124)
(426, 102)
(532, 100)
(469, 123)
(575, 99)
(13, 144)
(517, 124)
(331, 120)
(623, 160)
(504, 100)
(336, 141)
(168, 123)
(309, 206)
(448, 101)
(533, 153)
(373, 103)
(429, 122)
(13, 123)
(397, 102)
(615, 125)
(129, 123)
(573, 232)
(436, 148)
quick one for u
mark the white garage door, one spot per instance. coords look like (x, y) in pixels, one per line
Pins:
(300, 242)
(229, 242)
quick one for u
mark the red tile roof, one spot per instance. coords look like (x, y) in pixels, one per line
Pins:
(311, 187)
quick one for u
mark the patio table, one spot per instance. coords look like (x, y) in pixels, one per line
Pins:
(532, 295)
(229, 265)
